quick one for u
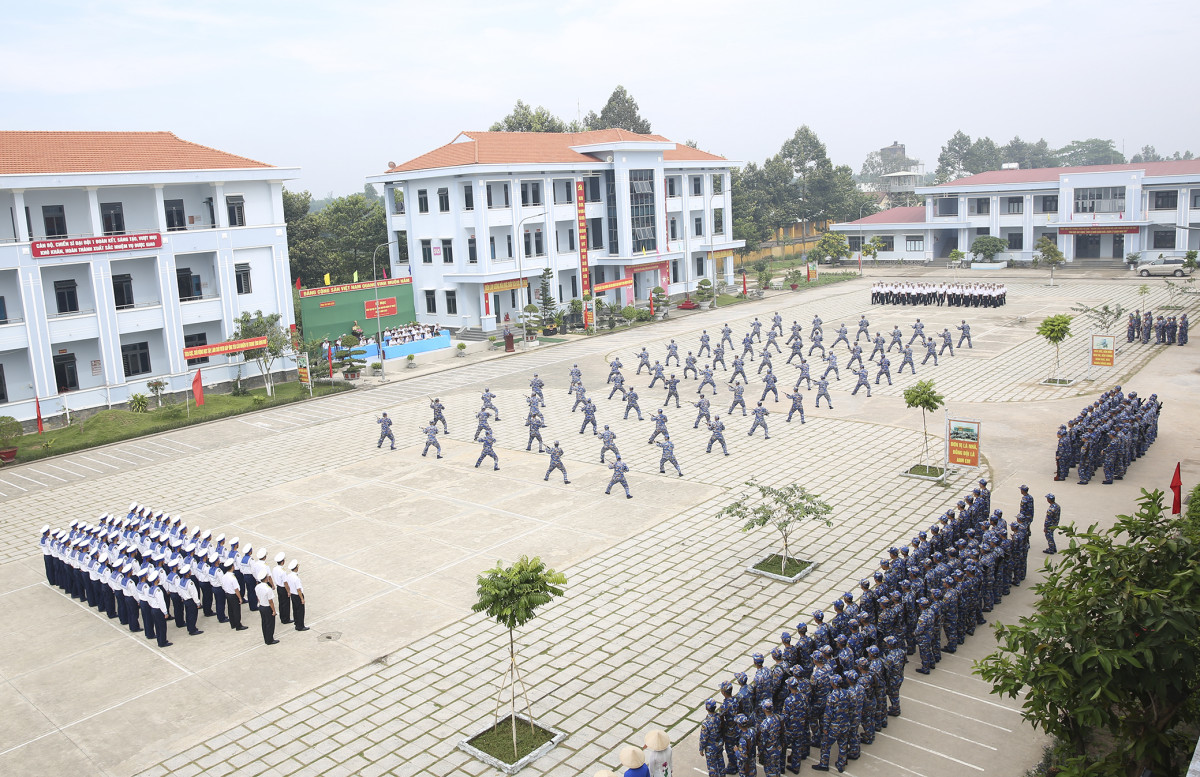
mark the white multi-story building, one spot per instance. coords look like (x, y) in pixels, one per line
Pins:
(483, 215)
(1097, 212)
(120, 249)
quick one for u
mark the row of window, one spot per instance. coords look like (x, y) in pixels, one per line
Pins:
(1159, 239)
(451, 302)
(188, 286)
(1099, 199)
(112, 216)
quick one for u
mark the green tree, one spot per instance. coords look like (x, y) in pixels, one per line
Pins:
(983, 156)
(1108, 660)
(1103, 316)
(258, 325)
(952, 161)
(922, 394)
(1047, 251)
(1055, 329)
(748, 198)
(547, 303)
(872, 247)
(303, 237)
(511, 596)
(351, 228)
(1028, 155)
(832, 247)
(620, 112)
(783, 509)
(806, 155)
(1147, 154)
(1189, 260)
(1092, 151)
(526, 119)
(988, 247)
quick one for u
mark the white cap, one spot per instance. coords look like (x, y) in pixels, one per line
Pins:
(102, 517)
(154, 534)
(189, 547)
(45, 529)
(159, 514)
(220, 538)
(279, 557)
(206, 534)
(133, 506)
(261, 575)
(195, 531)
(173, 562)
(295, 563)
(185, 569)
(212, 555)
(152, 575)
(235, 541)
(103, 558)
(125, 569)
(262, 554)
(227, 563)
(248, 550)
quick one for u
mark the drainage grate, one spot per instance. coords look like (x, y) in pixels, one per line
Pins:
(330, 636)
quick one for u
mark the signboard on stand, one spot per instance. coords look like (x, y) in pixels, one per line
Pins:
(302, 370)
(962, 442)
(1104, 350)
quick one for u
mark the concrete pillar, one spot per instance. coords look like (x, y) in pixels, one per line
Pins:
(19, 215)
(160, 208)
(94, 211)
(219, 210)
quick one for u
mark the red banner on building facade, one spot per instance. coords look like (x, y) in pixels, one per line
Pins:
(386, 307)
(231, 346)
(1099, 229)
(95, 245)
(581, 226)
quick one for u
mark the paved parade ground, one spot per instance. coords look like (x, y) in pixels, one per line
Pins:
(658, 607)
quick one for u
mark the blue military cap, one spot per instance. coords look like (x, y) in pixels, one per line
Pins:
(818, 614)
(961, 503)
(922, 534)
(742, 721)
(802, 627)
(840, 639)
(839, 605)
(873, 650)
(894, 550)
(905, 584)
(777, 654)
(757, 658)
(923, 602)
(890, 641)
(849, 597)
(860, 661)
(785, 637)
(885, 599)
(865, 583)
(878, 576)
(976, 491)
(726, 685)
(740, 677)
(792, 682)
(767, 704)
(851, 676)
(710, 705)
(1050, 497)
(983, 481)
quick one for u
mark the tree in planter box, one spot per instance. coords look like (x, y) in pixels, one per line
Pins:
(704, 290)
(923, 395)
(349, 358)
(659, 295)
(783, 509)
(547, 303)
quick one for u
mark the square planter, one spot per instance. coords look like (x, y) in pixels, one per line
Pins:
(1060, 382)
(511, 768)
(753, 570)
(908, 474)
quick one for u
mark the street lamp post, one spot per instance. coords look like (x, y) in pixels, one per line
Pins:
(521, 274)
(378, 324)
(713, 262)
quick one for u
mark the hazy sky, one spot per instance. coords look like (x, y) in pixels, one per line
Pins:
(339, 89)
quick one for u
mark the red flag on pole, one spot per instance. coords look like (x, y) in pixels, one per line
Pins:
(297, 284)
(385, 272)
(330, 354)
(38, 404)
(744, 287)
(1176, 484)
(198, 389)
(652, 303)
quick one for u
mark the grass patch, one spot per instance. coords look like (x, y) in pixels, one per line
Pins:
(1058, 381)
(497, 741)
(793, 567)
(926, 470)
(551, 340)
(114, 425)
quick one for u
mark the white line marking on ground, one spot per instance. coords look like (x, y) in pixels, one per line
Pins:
(101, 463)
(31, 480)
(889, 763)
(14, 485)
(179, 442)
(147, 450)
(69, 472)
(964, 695)
(947, 733)
(22, 588)
(909, 699)
(934, 752)
(47, 474)
(75, 463)
(160, 445)
(128, 452)
(118, 458)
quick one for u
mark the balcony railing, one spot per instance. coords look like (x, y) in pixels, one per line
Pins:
(70, 313)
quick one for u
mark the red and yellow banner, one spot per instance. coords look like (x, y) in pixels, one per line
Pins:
(619, 284)
(962, 442)
(1099, 229)
(509, 285)
(95, 245)
(382, 283)
(1104, 350)
(230, 346)
(385, 307)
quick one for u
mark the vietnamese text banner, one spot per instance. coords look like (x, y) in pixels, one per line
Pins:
(95, 245)
(962, 442)
(231, 346)
(382, 283)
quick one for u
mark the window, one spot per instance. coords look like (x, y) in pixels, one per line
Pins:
(447, 251)
(135, 358)
(983, 231)
(66, 296)
(472, 253)
(570, 240)
(430, 301)
(641, 210)
(241, 275)
(699, 266)
(718, 183)
(614, 232)
(672, 186)
(492, 246)
(1102, 199)
(596, 233)
(468, 197)
(674, 271)
(1016, 205)
(674, 229)
(983, 206)
(1164, 238)
(55, 220)
(112, 214)
(1016, 241)
(1196, 198)
(510, 248)
(3, 312)
(66, 375)
(856, 242)
(1166, 200)
(191, 341)
(398, 201)
(718, 221)
(236, 205)
(562, 192)
(697, 185)
(186, 284)
(175, 217)
(574, 287)
(889, 242)
(1050, 203)
(443, 200)
(539, 248)
(123, 291)
(422, 201)
(452, 303)
(506, 202)
(531, 193)
(593, 188)
(528, 244)
(947, 206)
(914, 243)
(698, 226)
(426, 252)
(3, 386)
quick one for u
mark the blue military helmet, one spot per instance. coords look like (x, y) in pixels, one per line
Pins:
(983, 481)
(710, 705)
(923, 602)
(785, 637)
(890, 641)
(865, 583)
(861, 661)
(740, 677)
(757, 658)
(726, 685)
(922, 535)
(767, 705)
(742, 721)
(873, 651)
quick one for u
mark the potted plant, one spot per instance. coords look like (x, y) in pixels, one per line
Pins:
(350, 358)
(410, 361)
(462, 350)
(493, 344)
(377, 369)
(659, 296)
(10, 431)
(794, 277)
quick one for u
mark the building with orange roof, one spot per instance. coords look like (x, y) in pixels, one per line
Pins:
(608, 211)
(118, 250)
(1099, 212)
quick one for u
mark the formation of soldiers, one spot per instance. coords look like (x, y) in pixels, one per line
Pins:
(149, 568)
(1111, 433)
(759, 336)
(1167, 330)
(955, 295)
(837, 680)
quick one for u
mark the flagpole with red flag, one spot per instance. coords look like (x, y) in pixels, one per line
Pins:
(743, 283)
(198, 389)
(330, 354)
(1176, 489)
(297, 284)
(38, 404)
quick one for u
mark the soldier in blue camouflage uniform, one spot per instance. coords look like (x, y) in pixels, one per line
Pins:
(1053, 516)
(769, 386)
(668, 455)
(865, 731)
(795, 335)
(690, 364)
(926, 635)
(439, 414)
(908, 359)
(947, 342)
(672, 351)
(482, 425)
(672, 390)
(1062, 455)
(487, 398)
(729, 728)
(747, 347)
(815, 342)
(704, 343)
(760, 414)
(950, 617)
(776, 323)
(745, 695)
(965, 328)
(760, 686)
(739, 368)
(770, 740)
(556, 462)
(614, 369)
(488, 441)
(385, 431)
(843, 336)
(643, 361)
(726, 337)
(855, 356)
(576, 376)
(702, 411)
(618, 384)
(660, 427)
(431, 439)
(797, 405)
(930, 353)
(619, 468)
(816, 324)
(589, 416)
(756, 329)
(535, 387)
(823, 391)
(580, 397)
(878, 346)
(831, 366)
(878, 670)
(822, 684)
(836, 724)
(746, 746)
(711, 741)
(795, 720)
(718, 357)
(862, 382)
(535, 424)
(918, 331)
(631, 403)
(717, 428)
(765, 364)
(804, 375)
(897, 339)
(706, 379)
(607, 437)
(656, 373)
(738, 398)
(894, 661)
(1131, 326)
(797, 350)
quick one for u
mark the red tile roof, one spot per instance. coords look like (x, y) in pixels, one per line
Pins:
(907, 215)
(501, 148)
(1050, 174)
(31, 153)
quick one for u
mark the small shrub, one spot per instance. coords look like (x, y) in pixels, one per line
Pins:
(259, 400)
(10, 431)
(139, 403)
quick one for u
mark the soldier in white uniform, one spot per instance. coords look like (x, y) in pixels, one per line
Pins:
(266, 606)
(283, 602)
(295, 589)
(233, 597)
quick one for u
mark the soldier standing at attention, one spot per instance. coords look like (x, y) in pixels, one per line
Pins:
(385, 431)
(607, 437)
(631, 403)
(233, 597)
(668, 456)
(730, 709)
(488, 441)
(690, 364)
(746, 747)
(717, 428)
(702, 411)
(660, 426)
(711, 741)
(706, 379)
(439, 414)
(266, 608)
(672, 390)
(770, 740)
(823, 391)
(760, 419)
(1053, 516)
(619, 468)
(556, 462)
(738, 398)
(835, 725)
(797, 405)
(926, 634)
(795, 721)
(295, 589)
(589, 416)
(1062, 455)
(908, 359)
(487, 398)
